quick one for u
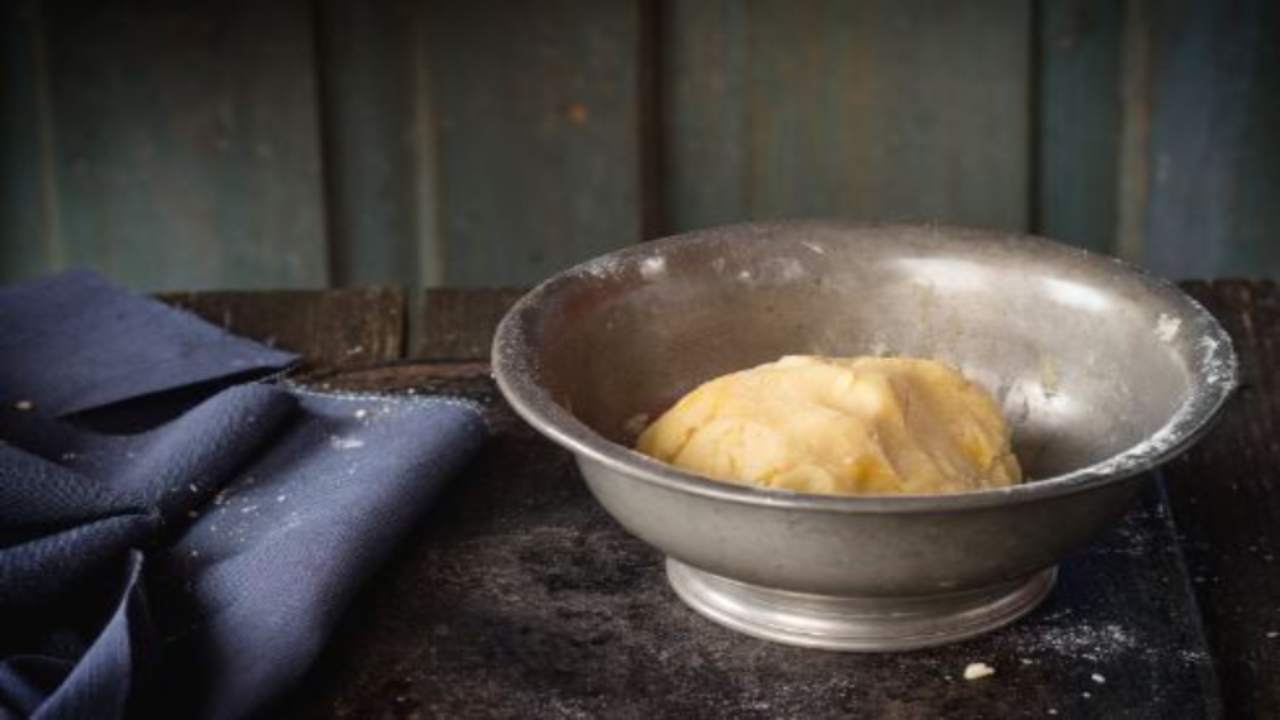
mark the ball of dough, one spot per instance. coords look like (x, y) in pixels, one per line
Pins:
(840, 425)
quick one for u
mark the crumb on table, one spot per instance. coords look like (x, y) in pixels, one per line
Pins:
(978, 670)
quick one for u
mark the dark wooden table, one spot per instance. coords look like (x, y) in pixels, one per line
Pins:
(518, 597)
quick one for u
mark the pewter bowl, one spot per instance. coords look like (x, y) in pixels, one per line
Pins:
(1104, 372)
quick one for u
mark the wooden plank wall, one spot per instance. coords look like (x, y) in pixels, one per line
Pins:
(306, 143)
(911, 110)
(177, 142)
(1214, 204)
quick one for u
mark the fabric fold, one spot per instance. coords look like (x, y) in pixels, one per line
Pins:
(73, 341)
(193, 568)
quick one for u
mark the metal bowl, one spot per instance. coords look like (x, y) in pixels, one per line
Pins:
(1103, 370)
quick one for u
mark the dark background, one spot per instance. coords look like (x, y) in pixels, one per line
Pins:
(297, 143)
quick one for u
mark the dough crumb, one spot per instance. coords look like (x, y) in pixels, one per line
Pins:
(1096, 677)
(24, 405)
(978, 670)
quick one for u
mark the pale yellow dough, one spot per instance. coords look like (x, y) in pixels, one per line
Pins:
(840, 425)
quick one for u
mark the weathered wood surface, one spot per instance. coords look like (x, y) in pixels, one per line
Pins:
(298, 144)
(29, 241)
(537, 134)
(873, 110)
(181, 142)
(1077, 116)
(379, 137)
(1225, 495)
(327, 327)
(459, 324)
(519, 595)
(1214, 166)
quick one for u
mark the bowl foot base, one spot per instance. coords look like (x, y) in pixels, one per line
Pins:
(851, 623)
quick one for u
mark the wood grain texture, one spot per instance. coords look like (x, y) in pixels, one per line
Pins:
(29, 241)
(877, 110)
(458, 324)
(537, 118)
(296, 143)
(331, 328)
(379, 141)
(186, 144)
(1077, 117)
(1214, 168)
(1135, 133)
(704, 120)
(1225, 496)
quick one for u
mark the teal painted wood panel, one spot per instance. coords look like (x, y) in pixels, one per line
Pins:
(873, 110)
(1077, 121)
(537, 108)
(1213, 205)
(28, 204)
(378, 129)
(185, 142)
(287, 144)
(705, 175)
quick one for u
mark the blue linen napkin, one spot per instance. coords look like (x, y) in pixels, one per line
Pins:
(74, 342)
(194, 568)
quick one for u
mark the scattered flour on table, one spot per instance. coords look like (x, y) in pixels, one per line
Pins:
(1096, 643)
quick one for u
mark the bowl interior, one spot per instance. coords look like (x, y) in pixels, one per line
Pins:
(1087, 357)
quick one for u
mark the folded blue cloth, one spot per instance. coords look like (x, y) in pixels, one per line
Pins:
(74, 342)
(193, 569)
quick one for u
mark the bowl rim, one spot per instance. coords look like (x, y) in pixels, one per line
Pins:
(1188, 423)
